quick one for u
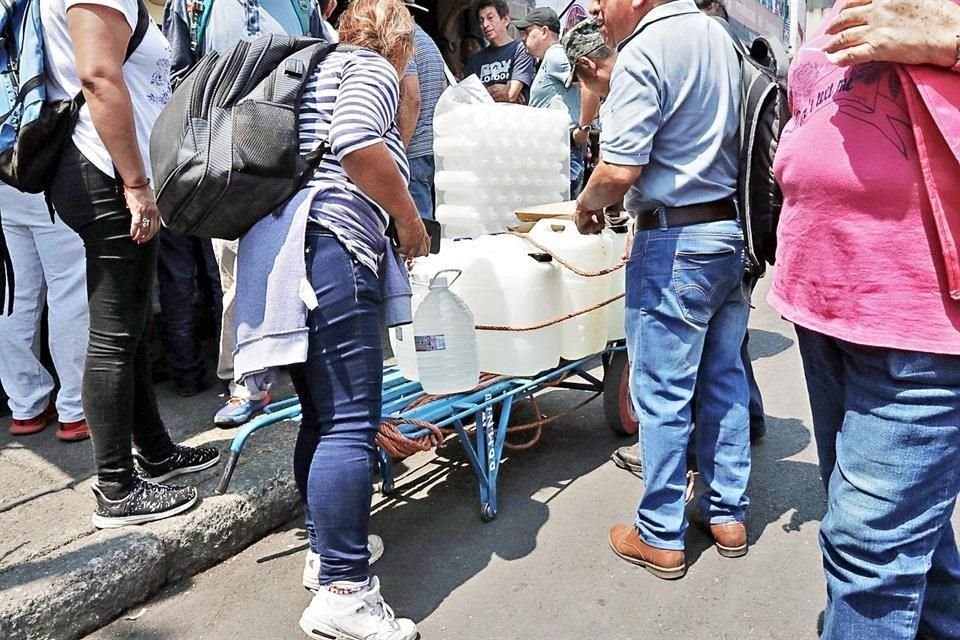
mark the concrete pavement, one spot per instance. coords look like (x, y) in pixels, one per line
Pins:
(61, 578)
(543, 569)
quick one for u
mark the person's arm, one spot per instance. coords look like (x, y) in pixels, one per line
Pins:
(589, 108)
(100, 36)
(409, 112)
(375, 172)
(514, 91)
(902, 31)
(363, 115)
(521, 75)
(608, 184)
(505, 92)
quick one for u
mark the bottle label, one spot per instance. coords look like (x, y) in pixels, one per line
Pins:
(430, 343)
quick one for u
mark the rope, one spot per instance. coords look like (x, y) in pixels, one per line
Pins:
(397, 445)
(550, 323)
(561, 261)
(579, 272)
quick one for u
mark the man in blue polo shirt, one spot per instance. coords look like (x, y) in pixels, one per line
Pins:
(669, 145)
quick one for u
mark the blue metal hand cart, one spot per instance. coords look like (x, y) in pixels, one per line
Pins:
(486, 410)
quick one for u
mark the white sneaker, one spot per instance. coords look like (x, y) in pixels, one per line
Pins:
(363, 616)
(311, 566)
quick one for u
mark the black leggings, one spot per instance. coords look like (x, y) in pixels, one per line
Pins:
(118, 398)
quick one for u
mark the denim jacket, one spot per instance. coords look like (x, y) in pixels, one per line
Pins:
(176, 27)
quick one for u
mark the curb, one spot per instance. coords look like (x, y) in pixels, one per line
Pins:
(86, 584)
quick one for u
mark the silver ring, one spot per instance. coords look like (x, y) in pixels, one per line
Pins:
(145, 222)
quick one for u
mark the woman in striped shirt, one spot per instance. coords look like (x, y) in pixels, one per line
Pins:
(351, 102)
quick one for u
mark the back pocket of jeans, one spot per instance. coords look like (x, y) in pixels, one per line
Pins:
(702, 280)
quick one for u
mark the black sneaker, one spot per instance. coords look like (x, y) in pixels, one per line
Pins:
(146, 502)
(184, 460)
(628, 458)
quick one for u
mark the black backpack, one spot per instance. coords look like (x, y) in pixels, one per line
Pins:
(764, 111)
(225, 149)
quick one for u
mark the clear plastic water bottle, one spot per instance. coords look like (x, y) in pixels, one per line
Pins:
(445, 340)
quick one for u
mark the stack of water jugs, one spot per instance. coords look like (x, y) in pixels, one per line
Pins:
(493, 159)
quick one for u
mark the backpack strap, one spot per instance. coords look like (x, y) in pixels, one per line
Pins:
(143, 23)
(6, 277)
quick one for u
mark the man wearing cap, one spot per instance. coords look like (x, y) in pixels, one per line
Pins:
(504, 68)
(589, 58)
(686, 312)
(540, 33)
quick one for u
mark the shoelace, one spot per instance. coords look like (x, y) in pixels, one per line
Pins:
(380, 608)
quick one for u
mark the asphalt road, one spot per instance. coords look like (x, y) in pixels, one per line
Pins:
(543, 568)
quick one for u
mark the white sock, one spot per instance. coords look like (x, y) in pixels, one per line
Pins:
(346, 590)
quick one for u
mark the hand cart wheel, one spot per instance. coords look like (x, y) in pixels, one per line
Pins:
(487, 513)
(617, 405)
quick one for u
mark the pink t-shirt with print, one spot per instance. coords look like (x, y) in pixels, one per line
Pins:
(858, 256)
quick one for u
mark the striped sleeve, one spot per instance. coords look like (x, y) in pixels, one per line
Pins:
(366, 106)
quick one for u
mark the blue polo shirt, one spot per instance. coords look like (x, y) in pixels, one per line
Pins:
(673, 108)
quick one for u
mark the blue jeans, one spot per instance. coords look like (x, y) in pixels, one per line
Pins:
(887, 426)
(421, 184)
(182, 258)
(340, 392)
(686, 316)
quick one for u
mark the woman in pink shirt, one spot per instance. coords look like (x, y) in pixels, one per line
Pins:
(868, 270)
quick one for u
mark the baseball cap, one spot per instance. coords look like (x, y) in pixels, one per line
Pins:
(539, 17)
(579, 42)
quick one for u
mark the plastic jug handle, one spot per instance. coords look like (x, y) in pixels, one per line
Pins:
(438, 273)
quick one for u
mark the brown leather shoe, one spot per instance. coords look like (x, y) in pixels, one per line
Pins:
(627, 543)
(730, 539)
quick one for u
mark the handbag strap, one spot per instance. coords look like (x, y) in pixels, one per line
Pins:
(143, 23)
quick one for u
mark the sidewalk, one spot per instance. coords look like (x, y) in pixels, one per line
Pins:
(60, 578)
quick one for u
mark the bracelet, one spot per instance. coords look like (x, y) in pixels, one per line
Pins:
(130, 187)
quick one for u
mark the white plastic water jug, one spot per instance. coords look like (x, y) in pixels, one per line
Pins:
(506, 287)
(445, 340)
(503, 286)
(401, 338)
(585, 334)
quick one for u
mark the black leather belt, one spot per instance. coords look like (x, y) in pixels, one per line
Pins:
(648, 219)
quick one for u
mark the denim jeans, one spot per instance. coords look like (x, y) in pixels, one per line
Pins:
(686, 316)
(340, 392)
(421, 184)
(182, 258)
(118, 397)
(887, 426)
(48, 262)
